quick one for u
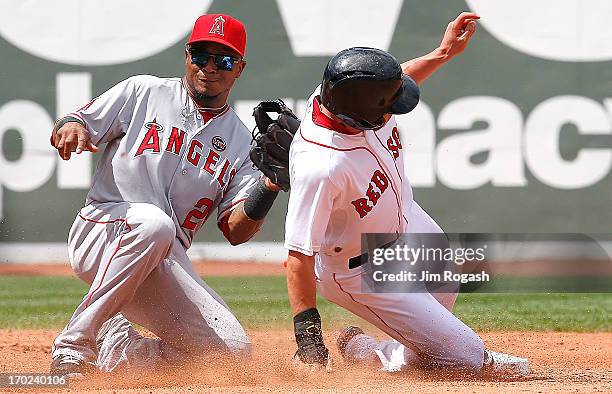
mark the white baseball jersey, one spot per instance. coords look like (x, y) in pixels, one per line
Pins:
(161, 150)
(344, 185)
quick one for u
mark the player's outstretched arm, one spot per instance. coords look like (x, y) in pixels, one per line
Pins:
(69, 135)
(456, 38)
(302, 289)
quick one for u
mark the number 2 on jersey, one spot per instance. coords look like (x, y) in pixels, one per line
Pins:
(195, 216)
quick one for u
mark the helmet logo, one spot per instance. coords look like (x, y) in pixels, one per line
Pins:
(217, 27)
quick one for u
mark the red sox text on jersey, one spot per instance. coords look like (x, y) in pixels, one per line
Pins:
(376, 187)
(379, 182)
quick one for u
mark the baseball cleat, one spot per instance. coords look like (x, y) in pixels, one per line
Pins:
(71, 367)
(345, 336)
(504, 365)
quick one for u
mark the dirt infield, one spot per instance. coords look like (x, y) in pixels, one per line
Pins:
(561, 362)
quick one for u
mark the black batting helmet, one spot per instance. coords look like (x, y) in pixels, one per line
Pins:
(361, 85)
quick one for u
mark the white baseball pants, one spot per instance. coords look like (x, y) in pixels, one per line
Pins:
(424, 330)
(129, 254)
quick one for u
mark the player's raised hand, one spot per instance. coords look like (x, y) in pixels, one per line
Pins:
(72, 137)
(458, 34)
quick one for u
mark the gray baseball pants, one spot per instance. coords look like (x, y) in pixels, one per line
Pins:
(129, 254)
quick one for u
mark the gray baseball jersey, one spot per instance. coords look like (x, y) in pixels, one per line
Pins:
(165, 168)
(161, 150)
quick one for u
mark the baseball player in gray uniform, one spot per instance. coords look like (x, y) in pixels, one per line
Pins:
(175, 152)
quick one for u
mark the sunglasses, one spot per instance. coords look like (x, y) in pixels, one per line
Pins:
(223, 62)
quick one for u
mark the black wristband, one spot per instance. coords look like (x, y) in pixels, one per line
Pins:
(67, 119)
(307, 326)
(260, 201)
(309, 336)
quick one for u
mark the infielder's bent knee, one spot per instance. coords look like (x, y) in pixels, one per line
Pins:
(240, 348)
(236, 339)
(152, 224)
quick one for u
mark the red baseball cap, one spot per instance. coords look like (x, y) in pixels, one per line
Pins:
(220, 28)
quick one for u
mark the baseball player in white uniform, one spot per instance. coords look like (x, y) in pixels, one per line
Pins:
(347, 177)
(175, 152)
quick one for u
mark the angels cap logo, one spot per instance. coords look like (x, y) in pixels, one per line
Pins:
(218, 143)
(213, 28)
(217, 27)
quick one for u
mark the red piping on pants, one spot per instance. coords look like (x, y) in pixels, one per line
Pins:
(112, 256)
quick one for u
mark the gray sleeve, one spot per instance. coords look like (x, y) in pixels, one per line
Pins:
(106, 116)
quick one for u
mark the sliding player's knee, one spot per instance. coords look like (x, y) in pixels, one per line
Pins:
(470, 354)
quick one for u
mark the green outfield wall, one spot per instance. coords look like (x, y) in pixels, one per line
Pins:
(512, 136)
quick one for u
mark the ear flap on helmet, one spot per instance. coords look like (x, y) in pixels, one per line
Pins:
(408, 98)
